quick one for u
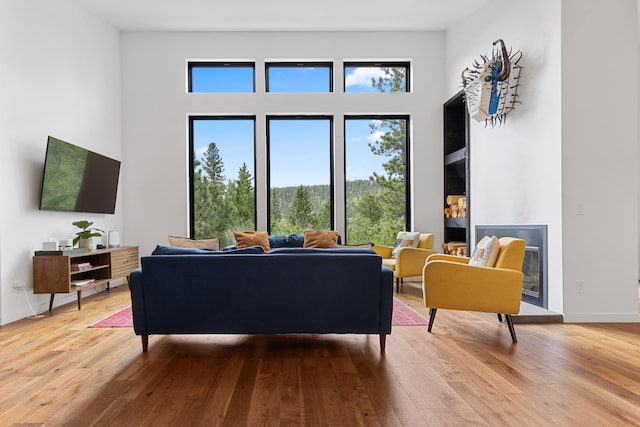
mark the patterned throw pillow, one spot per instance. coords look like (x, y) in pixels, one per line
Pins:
(405, 239)
(486, 253)
(245, 239)
(320, 238)
(183, 242)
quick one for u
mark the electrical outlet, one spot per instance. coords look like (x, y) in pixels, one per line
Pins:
(580, 287)
(19, 285)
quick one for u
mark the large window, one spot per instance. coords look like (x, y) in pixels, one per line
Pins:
(293, 141)
(376, 185)
(376, 77)
(222, 176)
(221, 77)
(300, 178)
(299, 77)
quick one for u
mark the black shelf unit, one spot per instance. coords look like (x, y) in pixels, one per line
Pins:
(456, 166)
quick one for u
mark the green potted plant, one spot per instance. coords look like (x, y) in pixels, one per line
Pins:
(84, 237)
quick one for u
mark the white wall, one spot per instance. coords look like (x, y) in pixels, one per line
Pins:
(599, 160)
(61, 77)
(537, 167)
(515, 169)
(156, 107)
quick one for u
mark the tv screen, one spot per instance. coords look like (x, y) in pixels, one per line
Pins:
(78, 180)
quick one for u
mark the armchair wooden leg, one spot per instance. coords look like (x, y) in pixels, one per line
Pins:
(432, 317)
(397, 285)
(512, 330)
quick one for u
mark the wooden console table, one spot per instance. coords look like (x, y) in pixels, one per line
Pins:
(53, 274)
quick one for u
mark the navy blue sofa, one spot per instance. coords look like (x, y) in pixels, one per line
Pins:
(285, 291)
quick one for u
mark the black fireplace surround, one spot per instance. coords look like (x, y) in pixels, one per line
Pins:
(534, 285)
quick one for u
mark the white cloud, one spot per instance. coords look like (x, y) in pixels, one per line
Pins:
(200, 151)
(375, 136)
(362, 76)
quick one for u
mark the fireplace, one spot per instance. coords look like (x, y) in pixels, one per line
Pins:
(534, 285)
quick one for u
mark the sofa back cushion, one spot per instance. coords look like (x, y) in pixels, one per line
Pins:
(328, 251)
(175, 250)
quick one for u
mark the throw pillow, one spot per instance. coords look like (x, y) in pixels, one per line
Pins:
(405, 239)
(320, 238)
(486, 252)
(277, 241)
(295, 240)
(252, 238)
(183, 242)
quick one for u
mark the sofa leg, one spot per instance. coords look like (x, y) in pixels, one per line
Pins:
(383, 342)
(432, 317)
(499, 317)
(145, 342)
(512, 330)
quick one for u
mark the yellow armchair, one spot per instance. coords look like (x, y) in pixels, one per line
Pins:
(408, 262)
(449, 282)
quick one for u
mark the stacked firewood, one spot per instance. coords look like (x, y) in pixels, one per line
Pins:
(457, 207)
(455, 248)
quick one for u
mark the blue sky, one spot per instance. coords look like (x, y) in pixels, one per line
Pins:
(299, 149)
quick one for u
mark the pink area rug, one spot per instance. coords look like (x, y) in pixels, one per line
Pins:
(121, 319)
(403, 315)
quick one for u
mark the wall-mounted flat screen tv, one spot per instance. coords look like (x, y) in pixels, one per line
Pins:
(78, 180)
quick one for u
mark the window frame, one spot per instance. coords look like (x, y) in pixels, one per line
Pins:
(219, 64)
(378, 64)
(407, 184)
(332, 198)
(298, 64)
(191, 120)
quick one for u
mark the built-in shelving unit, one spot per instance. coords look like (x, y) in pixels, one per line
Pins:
(456, 168)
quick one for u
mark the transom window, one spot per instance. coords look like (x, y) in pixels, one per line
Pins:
(221, 77)
(376, 77)
(299, 77)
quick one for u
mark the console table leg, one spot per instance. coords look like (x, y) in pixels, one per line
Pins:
(51, 301)
(79, 299)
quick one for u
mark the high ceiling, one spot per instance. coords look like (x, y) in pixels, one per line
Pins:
(282, 15)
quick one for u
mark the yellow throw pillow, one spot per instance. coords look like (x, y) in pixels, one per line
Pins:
(320, 238)
(183, 242)
(486, 253)
(244, 239)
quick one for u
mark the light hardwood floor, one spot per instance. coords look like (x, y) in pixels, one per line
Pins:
(56, 370)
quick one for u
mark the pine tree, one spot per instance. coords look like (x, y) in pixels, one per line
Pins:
(301, 209)
(242, 198)
(211, 211)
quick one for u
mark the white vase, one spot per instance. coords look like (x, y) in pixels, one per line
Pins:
(86, 243)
